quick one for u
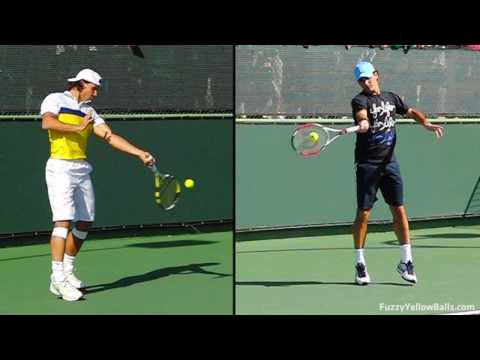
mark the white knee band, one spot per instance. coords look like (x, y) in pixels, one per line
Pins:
(82, 235)
(60, 232)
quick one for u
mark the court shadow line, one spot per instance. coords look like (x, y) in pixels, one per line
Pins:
(101, 233)
(154, 275)
(297, 283)
(313, 249)
(155, 245)
(456, 237)
(449, 236)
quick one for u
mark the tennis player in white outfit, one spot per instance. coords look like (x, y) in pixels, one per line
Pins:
(70, 119)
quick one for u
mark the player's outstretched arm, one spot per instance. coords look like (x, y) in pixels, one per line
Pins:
(116, 141)
(421, 118)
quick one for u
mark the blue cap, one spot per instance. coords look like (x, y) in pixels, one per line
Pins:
(363, 69)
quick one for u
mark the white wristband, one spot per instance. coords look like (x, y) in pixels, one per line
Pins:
(352, 129)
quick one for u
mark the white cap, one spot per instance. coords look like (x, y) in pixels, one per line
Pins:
(87, 75)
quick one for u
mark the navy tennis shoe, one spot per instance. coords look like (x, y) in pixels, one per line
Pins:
(361, 274)
(407, 272)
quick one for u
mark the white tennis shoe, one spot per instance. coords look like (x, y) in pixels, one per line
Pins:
(72, 279)
(65, 290)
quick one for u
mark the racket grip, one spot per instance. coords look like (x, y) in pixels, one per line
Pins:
(155, 171)
(352, 129)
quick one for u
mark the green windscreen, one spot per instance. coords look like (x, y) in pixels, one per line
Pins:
(200, 149)
(275, 187)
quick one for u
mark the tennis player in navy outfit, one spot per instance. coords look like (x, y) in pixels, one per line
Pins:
(377, 167)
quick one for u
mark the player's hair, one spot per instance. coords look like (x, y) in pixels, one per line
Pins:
(76, 84)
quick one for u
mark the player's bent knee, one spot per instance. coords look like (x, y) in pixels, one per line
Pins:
(60, 232)
(82, 235)
(363, 214)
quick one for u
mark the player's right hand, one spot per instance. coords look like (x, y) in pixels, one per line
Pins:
(147, 159)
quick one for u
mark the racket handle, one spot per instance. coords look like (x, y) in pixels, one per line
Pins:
(352, 129)
(155, 171)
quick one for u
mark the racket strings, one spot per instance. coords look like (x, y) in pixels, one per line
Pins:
(168, 190)
(305, 142)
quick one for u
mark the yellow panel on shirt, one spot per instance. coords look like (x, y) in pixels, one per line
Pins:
(69, 145)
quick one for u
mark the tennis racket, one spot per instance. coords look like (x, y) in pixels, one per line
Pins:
(309, 140)
(167, 189)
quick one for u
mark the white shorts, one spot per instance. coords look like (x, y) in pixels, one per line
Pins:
(70, 190)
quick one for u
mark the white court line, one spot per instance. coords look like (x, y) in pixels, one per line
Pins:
(475, 312)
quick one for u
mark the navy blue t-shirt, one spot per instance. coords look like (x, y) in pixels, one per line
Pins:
(377, 145)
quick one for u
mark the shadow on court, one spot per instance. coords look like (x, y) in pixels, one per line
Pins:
(169, 244)
(154, 275)
(149, 245)
(297, 283)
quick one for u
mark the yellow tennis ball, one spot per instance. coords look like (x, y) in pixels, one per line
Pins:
(313, 136)
(189, 183)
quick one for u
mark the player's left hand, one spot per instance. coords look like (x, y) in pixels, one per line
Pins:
(437, 129)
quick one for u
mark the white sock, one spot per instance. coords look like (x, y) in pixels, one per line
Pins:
(406, 253)
(68, 263)
(359, 256)
(57, 271)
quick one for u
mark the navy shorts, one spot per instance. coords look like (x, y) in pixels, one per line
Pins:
(371, 177)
